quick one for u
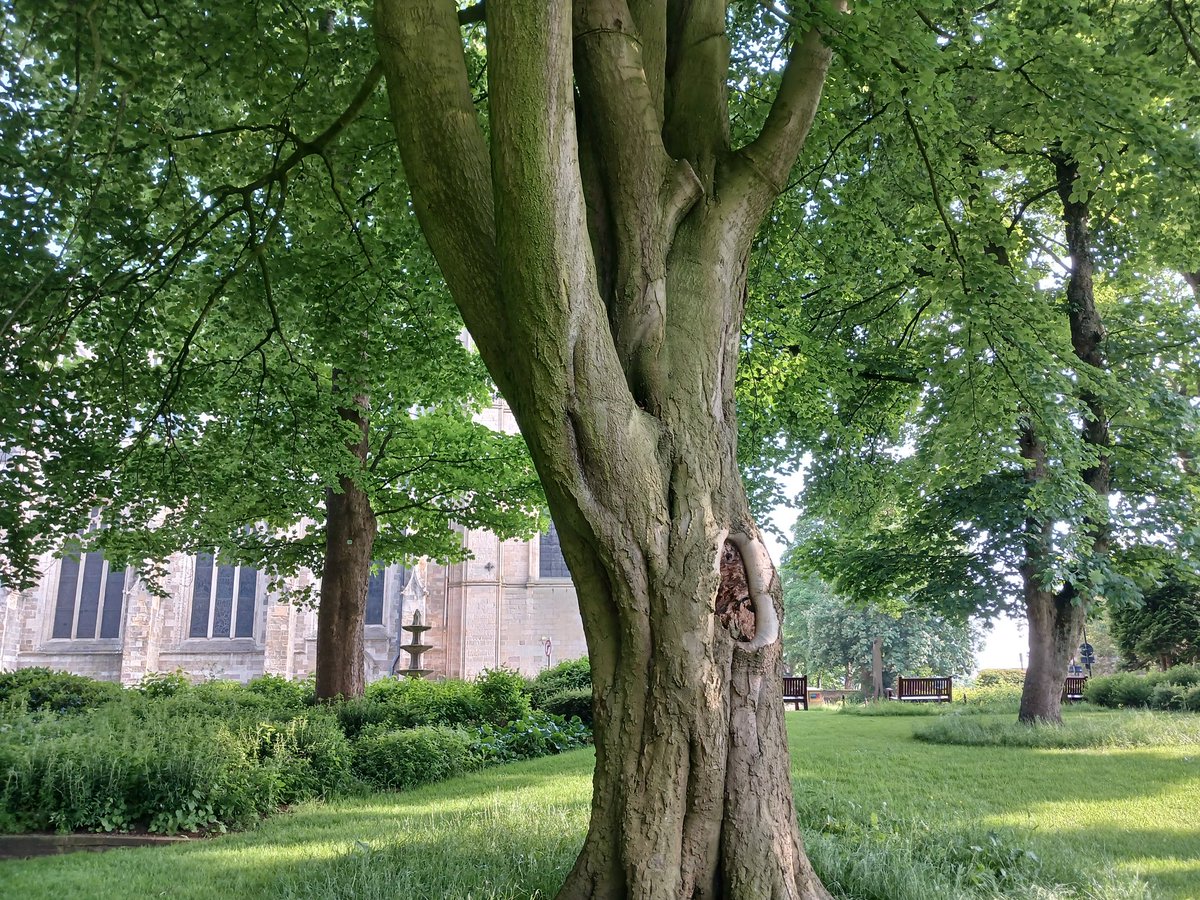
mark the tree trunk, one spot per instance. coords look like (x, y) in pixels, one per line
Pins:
(599, 256)
(877, 668)
(350, 529)
(1056, 619)
(1055, 626)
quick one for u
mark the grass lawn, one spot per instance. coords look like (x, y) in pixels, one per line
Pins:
(885, 817)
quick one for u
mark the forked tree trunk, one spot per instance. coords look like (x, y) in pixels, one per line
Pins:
(598, 253)
(350, 530)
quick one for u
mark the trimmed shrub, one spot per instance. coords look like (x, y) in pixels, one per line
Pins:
(999, 696)
(502, 693)
(571, 704)
(396, 760)
(572, 675)
(44, 690)
(409, 702)
(990, 677)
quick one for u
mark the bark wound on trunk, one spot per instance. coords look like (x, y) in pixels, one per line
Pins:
(735, 607)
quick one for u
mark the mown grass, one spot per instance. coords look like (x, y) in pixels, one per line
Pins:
(885, 818)
(1084, 728)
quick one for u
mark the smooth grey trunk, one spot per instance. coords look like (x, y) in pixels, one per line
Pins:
(350, 530)
(596, 241)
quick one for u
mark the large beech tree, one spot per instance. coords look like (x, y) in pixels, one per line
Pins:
(595, 233)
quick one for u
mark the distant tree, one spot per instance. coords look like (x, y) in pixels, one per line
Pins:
(834, 637)
(1165, 629)
(1001, 419)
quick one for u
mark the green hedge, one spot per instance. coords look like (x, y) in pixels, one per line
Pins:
(1178, 688)
(572, 675)
(150, 765)
(172, 756)
(990, 677)
(400, 759)
(571, 704)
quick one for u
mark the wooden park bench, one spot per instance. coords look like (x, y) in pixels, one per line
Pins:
(1073, 688)
(936, 689)
(795, 690)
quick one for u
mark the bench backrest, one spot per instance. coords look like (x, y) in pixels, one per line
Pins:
(795, 686)
(935, 686)
(1073, 687)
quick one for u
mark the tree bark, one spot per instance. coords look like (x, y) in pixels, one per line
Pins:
(350, 530)
(1056, 618)
(877, 668)
(596, 241)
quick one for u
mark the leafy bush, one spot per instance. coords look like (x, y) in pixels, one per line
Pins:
(503, 695)
(115, 767)
(1128, 690)
(571, 675)
(538, 734)
(43, 690)
(1132, 690)
(410, 702)
(571, 704)
(357, 715)
(167, 764)
(309, 755)
(990, 677)
(1186, 676)
(283, 693)
(164, 684)
(1167, 696)
(1099, 690)
(396, 760)
(1191, 699)
(1158, 690)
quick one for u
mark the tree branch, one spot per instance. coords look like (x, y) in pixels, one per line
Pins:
(472, 14)
(446, 160)
(770, 156)
(696, 114)
(1192, 49)
(646, 192)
